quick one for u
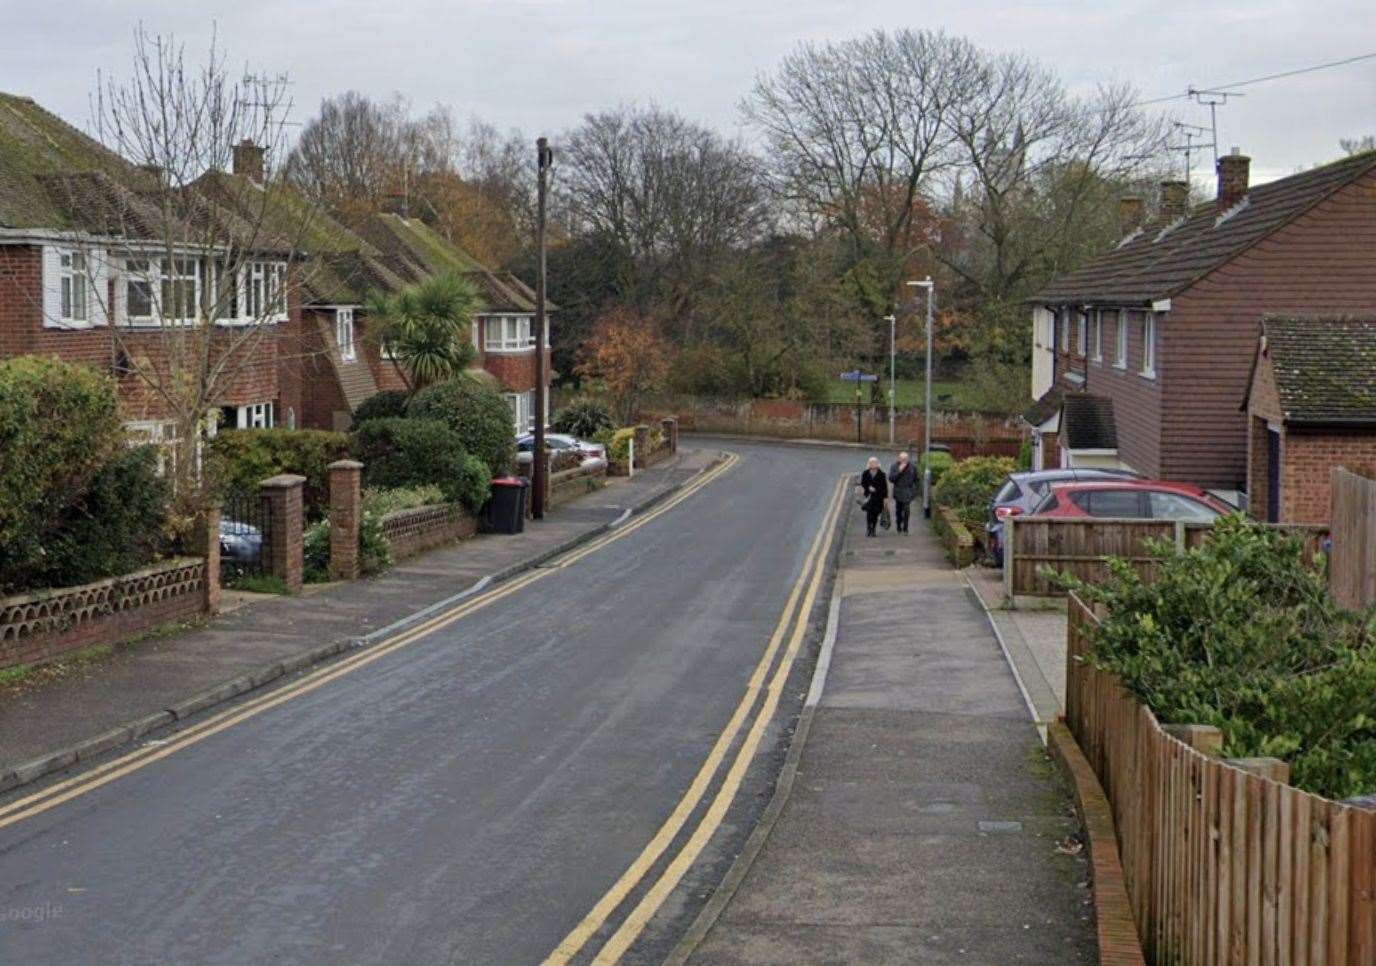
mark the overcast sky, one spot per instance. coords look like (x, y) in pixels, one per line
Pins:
(539, 65)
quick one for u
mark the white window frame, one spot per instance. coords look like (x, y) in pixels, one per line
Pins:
(1082, 331)
(1148, 370)
(344, 333)
(1120, 341)
(1098, 347)
(160, 434)
(157, 277)
(1063, 330)
(74, 280)
(507, 333)
(522, 406)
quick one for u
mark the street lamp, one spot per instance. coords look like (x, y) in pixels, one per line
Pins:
(930, 286)
(892, 322)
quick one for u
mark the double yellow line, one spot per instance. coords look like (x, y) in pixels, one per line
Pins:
(70, 788)
(795, 615)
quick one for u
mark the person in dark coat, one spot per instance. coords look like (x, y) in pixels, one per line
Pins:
(903, 476)
(875, 487)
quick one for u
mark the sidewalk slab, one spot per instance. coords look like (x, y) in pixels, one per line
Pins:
(925, 823)
(264, 633)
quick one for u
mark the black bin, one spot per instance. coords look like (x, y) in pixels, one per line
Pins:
(506, 510)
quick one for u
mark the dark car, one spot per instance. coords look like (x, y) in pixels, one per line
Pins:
(1021, 492)
(240, 543)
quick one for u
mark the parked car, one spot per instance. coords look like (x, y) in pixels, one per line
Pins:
(555, 442)
(240, 543)
(1022, 491)
(1133, 500)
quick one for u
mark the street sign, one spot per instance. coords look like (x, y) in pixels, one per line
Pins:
(856, 375)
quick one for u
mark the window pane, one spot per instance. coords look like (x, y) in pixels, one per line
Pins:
(78, 308)
(139, 299)
(1115, 503)
(1172, 506)
(66, 310)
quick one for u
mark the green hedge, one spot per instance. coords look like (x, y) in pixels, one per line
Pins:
(76, 504)
(1241, 633)
(238, 460)
(941, 462)
(388, 404)
(969, 486)
(479, 415)
(420, 452)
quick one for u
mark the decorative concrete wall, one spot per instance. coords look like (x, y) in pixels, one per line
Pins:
(411, 531)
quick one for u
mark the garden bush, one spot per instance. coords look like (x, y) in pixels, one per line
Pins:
(375, 553)
(238, 460)
(1241, 633)
(941, 462)
(969, 485)
(479, 415)
(584, 418)
(65, 461)
(385, 501)
(388, 404)
(420, 452)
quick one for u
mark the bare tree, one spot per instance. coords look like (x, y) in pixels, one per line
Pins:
(190, 280)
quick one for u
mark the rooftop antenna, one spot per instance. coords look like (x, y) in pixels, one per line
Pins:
(1190, 146)
(1212, 100)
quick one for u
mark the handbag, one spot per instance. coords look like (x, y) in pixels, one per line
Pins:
(884, 516)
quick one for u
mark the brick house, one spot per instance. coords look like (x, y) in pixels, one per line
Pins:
(1311, 406)
(502, 332)
(1162, 329)
(93, 270)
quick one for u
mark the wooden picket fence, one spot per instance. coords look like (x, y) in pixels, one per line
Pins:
(1081, 546)
(1352, 566)
(1221, 866)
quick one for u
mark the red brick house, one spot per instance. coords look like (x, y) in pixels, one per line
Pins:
(1162, 329)
(1311, 406)
(503, 333)
(93, 270)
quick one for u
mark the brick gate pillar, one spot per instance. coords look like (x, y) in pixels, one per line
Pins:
(670, 427)
(285, 510)
(346, 510)
(642, 444)
(208, 536)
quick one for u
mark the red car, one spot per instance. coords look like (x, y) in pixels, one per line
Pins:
(1133, 500)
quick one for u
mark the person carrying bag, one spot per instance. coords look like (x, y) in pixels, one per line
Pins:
(903, 476)
(875, 487)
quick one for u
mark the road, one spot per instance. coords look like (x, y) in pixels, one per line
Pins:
(472, 795)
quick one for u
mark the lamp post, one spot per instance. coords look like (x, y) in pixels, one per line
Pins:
(930, 286)
(892, 320)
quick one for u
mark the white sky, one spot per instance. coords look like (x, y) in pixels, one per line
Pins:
(539, 65)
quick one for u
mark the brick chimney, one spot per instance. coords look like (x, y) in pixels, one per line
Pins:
(1234, 171)
(1175, 201)
(248, 161)
(1131, 213)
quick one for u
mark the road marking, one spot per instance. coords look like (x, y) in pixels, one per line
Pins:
(814, 565)
(88, 781)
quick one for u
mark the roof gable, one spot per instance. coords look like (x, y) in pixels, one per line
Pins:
(1324, 368)
(1164, 260)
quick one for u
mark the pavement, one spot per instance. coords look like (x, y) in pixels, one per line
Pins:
(924, 822)
(1033, 639)
(467, 792)
(167, 676)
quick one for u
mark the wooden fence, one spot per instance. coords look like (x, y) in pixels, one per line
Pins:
(1221, 865)
(1352, 566)
(1081, 546)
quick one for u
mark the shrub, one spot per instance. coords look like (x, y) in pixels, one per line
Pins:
(584, 418)
(59, 426)
(385, 501)
(479, 416)
(941, 462)
(117, 525)
(238, 460)
(420, 452)
(968, 486)
(619, 444)
(375, 553)
(388, 404)
(315, 552)
(1240, 633)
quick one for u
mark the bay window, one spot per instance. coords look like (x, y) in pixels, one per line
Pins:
(508, 333)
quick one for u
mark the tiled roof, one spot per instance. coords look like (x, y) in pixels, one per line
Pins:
(1046, 406)
(1087, 422)
(1161, 261)
(1325, 368)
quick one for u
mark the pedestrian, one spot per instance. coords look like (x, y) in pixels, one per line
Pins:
(875, 487)
(903, 476)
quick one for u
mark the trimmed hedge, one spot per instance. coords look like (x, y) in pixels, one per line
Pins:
(420, 452)
(479, 415)
(238, 460)
(388, 404)
(968, 486)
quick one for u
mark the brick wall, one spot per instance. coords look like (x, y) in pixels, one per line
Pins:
(322, 399)
(21, 312)
(45, 625)
(411, 531)
(1307, 460)
(515, 370)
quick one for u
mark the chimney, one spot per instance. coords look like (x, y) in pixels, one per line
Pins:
(1131, 213)
(1175, 201)
(1234, 171)
(248, 161)
(397, 203)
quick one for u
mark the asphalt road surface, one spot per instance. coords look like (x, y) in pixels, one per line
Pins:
(466, 798)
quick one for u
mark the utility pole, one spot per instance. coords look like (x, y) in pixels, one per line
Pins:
(544, 161)
(893, 390)
(930, 286)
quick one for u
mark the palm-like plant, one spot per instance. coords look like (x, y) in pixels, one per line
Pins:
(428, 328)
